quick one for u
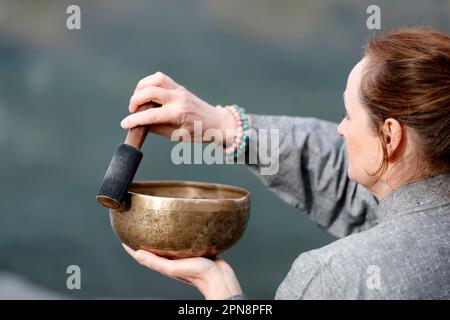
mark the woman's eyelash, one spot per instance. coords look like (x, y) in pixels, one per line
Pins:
(345, 115)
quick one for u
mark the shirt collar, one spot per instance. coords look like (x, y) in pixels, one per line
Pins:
(419, 195)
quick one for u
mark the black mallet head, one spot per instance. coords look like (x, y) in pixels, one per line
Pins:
(119, 176)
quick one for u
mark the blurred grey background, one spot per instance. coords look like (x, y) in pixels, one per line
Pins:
(63, 94)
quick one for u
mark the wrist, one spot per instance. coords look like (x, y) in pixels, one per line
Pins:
(219, 284)
(227, 125)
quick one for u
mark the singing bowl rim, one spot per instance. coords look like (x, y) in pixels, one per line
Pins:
(244, 199)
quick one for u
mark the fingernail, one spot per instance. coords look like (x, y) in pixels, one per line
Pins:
(123, 123)
(127, 247)
(139, 255)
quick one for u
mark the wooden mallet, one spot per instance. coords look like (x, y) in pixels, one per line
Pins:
(124, 164)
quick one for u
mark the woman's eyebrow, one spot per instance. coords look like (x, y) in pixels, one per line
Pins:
(343, 99)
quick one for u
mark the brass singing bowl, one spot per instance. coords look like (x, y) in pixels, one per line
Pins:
(182, 219)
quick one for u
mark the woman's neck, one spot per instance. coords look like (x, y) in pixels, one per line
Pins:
(398, 175)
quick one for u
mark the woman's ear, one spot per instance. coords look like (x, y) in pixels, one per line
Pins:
(393, 135)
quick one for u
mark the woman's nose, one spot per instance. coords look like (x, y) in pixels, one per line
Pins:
(340, 128)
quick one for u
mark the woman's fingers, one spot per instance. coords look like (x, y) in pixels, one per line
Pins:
(170, 268)
(151, 116)
(185, 270)
(148, 259)
(163, 130)
(215, 279)
(152, 93)
(157, 79)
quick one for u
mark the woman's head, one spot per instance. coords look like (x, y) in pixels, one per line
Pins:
(398, 105)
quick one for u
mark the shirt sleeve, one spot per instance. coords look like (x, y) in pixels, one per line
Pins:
(310, 172)
(308, 279)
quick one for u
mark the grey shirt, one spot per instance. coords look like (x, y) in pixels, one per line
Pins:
(396, 249)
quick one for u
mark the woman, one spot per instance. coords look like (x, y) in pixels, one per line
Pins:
(384, 188)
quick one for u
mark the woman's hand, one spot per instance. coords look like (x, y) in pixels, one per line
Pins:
(179, 109)
(215, 279)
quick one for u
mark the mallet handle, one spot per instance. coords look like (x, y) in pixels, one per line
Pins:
(137, 135)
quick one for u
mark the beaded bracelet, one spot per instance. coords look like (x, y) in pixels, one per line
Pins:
(242, 136)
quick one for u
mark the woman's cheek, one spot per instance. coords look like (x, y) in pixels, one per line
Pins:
(358, 155)
(351, 159)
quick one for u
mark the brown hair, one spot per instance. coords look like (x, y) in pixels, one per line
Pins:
(408, 78)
